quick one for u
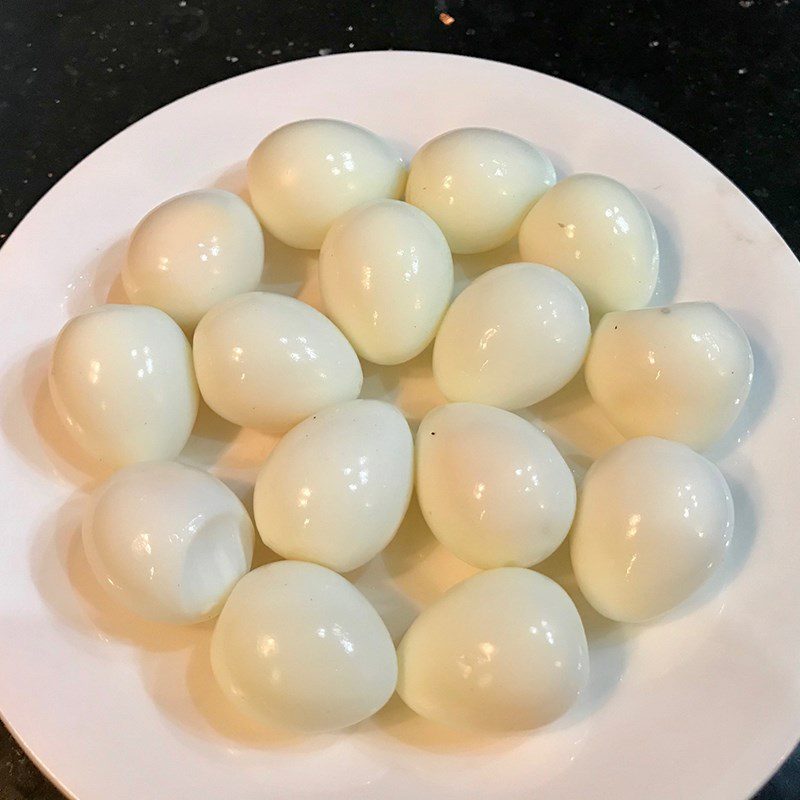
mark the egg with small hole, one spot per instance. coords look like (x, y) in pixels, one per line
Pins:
(169, 542)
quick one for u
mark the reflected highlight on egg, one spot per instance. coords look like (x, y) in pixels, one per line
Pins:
(477, 184)
(122, 382)
(597, 232)
(654, 520)
(306, 174)
(504, 650)
(492, 487)
(513, 337)
(268, 361)
(681, 372)
(299, 647)
(336, 487)
(167, 541)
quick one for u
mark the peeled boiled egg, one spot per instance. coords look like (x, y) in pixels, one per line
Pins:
(268, 361)
(122, 382)
(681, 372)
(299, 647)
(492, 487)
(307, 173)
(514, 336)
(654, 519)
(597, 232)
(504, 650)
(168, 541)
(193, 251)
(386, 276)
(478, 184)
(336, 487)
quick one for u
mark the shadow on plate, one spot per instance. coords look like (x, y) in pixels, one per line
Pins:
(184, 688)
(762, 392)
(409, 386)
(468, 267)
(395, 581)
(33, 428)
(398, 721)
(100, 282)
(286, 270)
(670, 257)
(66, 583)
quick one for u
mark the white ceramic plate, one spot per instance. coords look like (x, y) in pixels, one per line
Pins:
(704, 704)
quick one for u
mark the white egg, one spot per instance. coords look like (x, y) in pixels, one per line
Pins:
(268, 361)
(492, 487)
(504, 650)
(168, 541)
(192, 252)
(478, 184)
(336, 487)
(122, 382)
(386, 276)
(513, 337)
(307, 173)
(595, 231)
(299, 647)
(654, 519)
(680, 372)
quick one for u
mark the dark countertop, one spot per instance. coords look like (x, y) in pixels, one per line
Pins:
(723, 75)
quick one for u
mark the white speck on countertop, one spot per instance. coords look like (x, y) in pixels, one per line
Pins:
(325, 51)
(276, 52)
(746, 3)
(349, 27)
(351, 45)
(742, 70)
(232, 59)
(655, 43)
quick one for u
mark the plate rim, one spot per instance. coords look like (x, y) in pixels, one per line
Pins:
(398, 54)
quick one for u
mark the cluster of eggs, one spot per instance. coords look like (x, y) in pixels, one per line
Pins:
(296, 645)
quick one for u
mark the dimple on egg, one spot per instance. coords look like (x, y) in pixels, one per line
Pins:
(298, 647)
(598, 233)
(654, 519)
(192, 252)
(492, 487)
(268, 361)
(168, 541)
(335, 488)
(513, 337)
(504, 650)
(681, 372)
(478, 184)
(386, 275)
(122, 382)
(307, 173)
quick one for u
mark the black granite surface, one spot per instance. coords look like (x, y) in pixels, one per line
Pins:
(723, 75)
